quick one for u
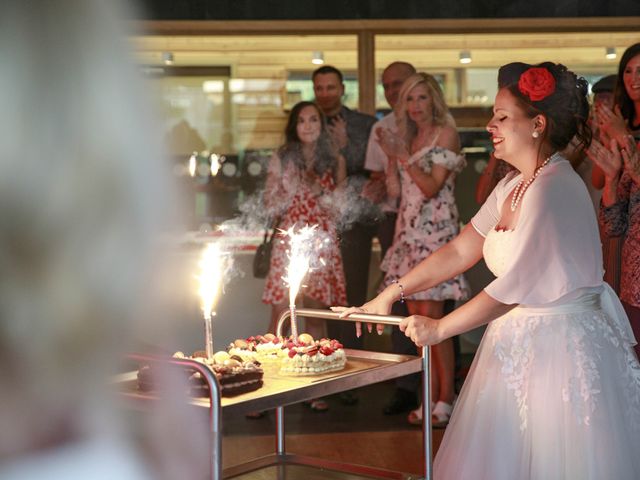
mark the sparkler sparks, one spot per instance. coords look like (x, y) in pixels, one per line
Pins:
(300, 254)
(215, 164)
(213, 266)
(193, 163)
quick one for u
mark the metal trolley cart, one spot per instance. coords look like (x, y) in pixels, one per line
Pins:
(363, 368)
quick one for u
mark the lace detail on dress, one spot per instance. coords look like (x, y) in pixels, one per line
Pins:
(630, 368)
(519, 340)
(586, 338)
(581, 389)
(512, 346)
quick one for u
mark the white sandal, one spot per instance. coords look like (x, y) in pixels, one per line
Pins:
(415, 416)
(440, 414)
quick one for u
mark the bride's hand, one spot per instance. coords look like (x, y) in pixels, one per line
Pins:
(377, 306)
(422, 330)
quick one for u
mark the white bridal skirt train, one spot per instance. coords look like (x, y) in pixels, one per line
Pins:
(553, 393)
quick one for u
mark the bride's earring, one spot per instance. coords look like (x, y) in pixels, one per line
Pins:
(535, 134)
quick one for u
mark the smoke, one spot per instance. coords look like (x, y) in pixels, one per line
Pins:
(261, 212)
(349, 206)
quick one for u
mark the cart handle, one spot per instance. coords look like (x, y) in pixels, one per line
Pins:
(329, 315)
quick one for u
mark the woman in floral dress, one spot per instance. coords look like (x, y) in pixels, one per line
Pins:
(425, 157)
(303, 173)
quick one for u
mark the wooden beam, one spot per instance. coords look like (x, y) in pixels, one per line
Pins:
(310, 27)
(366, 72)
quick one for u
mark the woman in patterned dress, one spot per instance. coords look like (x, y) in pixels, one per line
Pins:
(302, 175)
(620, 206)
(423, 160)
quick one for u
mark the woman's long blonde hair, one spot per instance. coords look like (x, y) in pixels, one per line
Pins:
(407, 128)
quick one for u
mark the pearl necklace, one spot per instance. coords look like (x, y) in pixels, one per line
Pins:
(522, 186)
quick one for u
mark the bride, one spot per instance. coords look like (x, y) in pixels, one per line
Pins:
(554, 390)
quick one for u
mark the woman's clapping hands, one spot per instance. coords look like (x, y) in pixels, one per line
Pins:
(617, 157)
(610, 122)
(609, 161)
(392, 145)
(631, 158)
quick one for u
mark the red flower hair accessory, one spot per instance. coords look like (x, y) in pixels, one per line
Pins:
(537, 83)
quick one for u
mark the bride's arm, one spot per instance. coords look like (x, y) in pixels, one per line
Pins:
(455, 257)
(448, 261)
(479, 310)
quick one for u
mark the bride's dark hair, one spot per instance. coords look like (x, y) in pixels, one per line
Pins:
(566, 109)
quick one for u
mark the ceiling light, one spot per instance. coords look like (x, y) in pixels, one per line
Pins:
(167, 58)
(611, 53)
(317, 58)
(465, 56)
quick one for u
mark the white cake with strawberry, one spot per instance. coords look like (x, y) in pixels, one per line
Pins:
(266, 349)
(295, 357)
(307, 356)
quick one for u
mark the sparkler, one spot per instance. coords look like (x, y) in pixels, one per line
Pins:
(215, 164)
(299, 262)
(193, 163)
(213, 265)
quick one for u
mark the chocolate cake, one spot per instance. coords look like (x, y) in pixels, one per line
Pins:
(234, 375)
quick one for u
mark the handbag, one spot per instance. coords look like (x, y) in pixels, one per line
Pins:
(262, 259)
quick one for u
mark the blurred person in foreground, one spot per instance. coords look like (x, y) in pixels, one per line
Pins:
(82, 196)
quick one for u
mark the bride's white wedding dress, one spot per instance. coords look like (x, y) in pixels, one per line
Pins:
(554, 389)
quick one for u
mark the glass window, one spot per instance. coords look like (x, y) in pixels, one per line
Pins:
(224, 102)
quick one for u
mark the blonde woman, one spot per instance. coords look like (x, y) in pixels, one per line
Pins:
(424, 158)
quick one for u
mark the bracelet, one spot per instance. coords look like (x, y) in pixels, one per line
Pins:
(402, 299)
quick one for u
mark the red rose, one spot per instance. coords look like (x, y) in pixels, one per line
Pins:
(537, 83)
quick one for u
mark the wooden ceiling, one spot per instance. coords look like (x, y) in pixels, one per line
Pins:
(582, 51)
